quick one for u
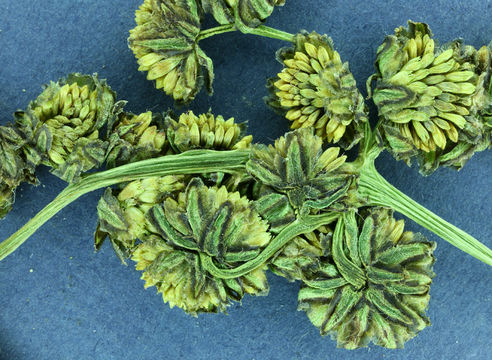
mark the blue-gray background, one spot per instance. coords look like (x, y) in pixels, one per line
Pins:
(59, 300)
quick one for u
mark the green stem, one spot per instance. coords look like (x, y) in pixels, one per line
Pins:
(215, 31)
(300, 226)
(190, 162)
(381, 193)
(269, 32)
(261, 30)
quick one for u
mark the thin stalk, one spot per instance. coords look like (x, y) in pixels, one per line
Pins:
(261, 30)
(190, 162)
(272, 33)
(381, 193)
(300, 226)
(215, 31)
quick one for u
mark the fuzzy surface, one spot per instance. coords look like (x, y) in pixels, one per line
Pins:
(59, 300)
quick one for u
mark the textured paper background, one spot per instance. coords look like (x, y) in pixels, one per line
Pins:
(59, 300)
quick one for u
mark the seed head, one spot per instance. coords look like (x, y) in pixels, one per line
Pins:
(206, 131)
(62, 125)
(297, 167)
(316, 90)
(372, 284)
(202, 222)
(13, 167)
(165, 45)
(246, 14)
(430, 98)
(136, 137)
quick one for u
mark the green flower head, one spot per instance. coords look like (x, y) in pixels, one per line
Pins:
(431, 99)
(372, 284)
(245, 14)
(13, 168)
(62, 125)
(297, 167)
(165, 45)
(135, 137)
(206, 131)
(203, 225)
(301, 257)
(122, 215)
(316, 90)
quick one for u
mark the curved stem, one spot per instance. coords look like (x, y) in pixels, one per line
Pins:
(215, 31)
(381, 193)
(190, 162)
(300, 226)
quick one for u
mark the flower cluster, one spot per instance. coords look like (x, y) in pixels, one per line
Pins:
(203, 222)
(316, 90)
(372, 283)
(432, 99)
(62, 125)
(60, 129)
(204, 236)
(165, 44)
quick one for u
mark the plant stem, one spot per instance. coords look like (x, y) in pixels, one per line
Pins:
(215, 31)
(381, 193)
(269, 32)
(261, 30)
(190, 162)
(300, 226)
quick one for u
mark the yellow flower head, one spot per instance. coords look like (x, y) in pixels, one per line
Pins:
(315, 89)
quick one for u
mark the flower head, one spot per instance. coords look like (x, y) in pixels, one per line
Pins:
(315, 89)
(13, 167)
(430, 98)
(62, 125)
(297, 167)
(165, 45)
(135, 137)
(202, 223)
(122, 215)
(372, 283)
(206, 131)
(301, 257)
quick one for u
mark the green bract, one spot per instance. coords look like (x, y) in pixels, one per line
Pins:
(202, 223)
(298, 168)
(372, 284)
(430, 99)
(122, 216)
(245, 14)
(62, 125)
(165, 44)
(316, 90)
(301, 258)
(13, 167)
(135, 137)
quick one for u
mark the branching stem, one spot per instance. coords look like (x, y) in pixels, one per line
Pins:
(190, 162)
